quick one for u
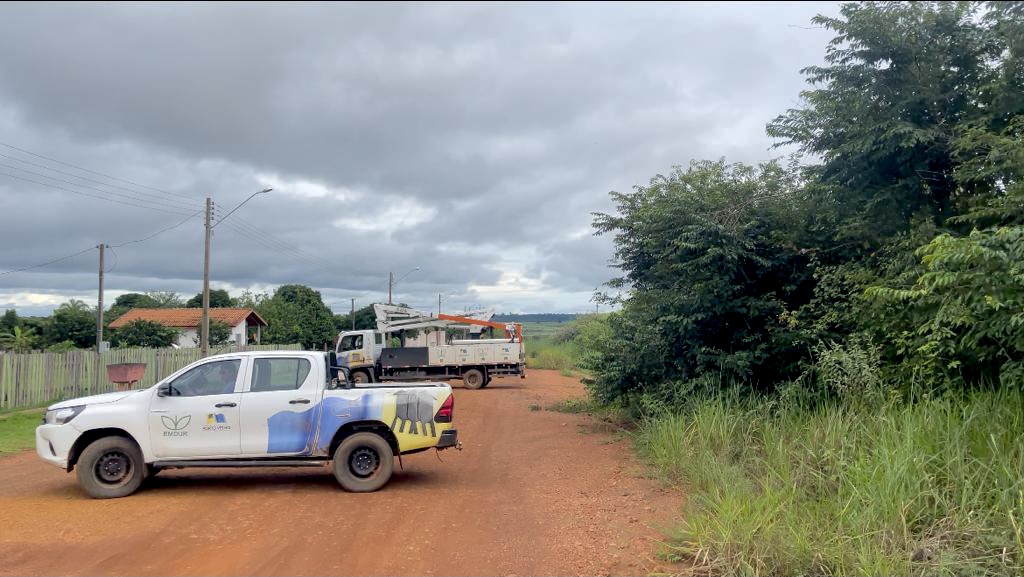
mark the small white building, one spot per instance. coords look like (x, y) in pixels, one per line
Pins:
(187, 321)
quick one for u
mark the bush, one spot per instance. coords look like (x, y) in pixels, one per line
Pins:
(141, 333)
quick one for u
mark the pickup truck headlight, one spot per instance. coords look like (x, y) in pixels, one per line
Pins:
(61, 416)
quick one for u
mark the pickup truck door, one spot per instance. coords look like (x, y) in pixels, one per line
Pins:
(280, 406)
(200, 417)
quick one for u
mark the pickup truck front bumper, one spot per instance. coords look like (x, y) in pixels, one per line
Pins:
(449, 439)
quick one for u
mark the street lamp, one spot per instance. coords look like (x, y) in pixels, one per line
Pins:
(204, 332)
(392, 282)
(264, 191)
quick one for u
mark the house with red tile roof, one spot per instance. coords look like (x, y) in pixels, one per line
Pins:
(187, 321)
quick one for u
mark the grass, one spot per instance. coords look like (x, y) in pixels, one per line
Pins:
(18, 430)
(931, 488)
(544, 353)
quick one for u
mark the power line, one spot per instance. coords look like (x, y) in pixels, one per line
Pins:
(63, 258)
(94, 171)
(78, 184)
(100, 182)
(90, 195)
(161, 231)
(56, 260)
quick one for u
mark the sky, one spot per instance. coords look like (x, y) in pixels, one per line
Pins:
(463, 147)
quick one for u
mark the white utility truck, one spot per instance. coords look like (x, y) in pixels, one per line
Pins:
(247, 409)
(369, 356)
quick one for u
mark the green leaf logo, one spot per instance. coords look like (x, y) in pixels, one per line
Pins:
(176, 423)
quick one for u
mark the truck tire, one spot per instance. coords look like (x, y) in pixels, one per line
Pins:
(360, 377)
(363, 462)
(110, 467)
(473, 379)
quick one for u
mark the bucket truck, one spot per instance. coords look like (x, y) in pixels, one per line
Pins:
(413, 345)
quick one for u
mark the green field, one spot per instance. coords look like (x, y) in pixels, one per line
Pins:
(17, 430)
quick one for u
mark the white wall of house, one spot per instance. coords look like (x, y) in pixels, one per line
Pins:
(189, 338)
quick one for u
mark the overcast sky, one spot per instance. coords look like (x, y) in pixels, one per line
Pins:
(472, 141)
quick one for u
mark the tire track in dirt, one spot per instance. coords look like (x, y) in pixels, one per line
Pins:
(534, 492)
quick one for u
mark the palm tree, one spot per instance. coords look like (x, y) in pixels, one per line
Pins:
(18, 339)
(75, 305)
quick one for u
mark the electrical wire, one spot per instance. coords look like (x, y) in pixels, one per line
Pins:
(161, 231)
(78, 192)
(78, 184)
(37, 155)
(111, 247)
(161, 198)
(56, 260)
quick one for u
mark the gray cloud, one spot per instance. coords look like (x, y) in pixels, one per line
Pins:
(472, 141)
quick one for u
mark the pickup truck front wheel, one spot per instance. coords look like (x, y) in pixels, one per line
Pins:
(363, 462)
(110, 467)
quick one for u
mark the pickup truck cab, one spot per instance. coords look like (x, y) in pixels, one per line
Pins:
(261, 408)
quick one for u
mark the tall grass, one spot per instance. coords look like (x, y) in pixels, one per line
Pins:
(934, 487)
(545, 353)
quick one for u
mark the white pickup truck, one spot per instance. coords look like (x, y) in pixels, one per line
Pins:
(266, 408)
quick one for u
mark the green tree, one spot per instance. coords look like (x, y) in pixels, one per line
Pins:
(72, 321)
(297, 314)
(141, 333)
(220, 332)
(165, 299)
(898, 80)
(711, 261)
(124, 303)
(365, 319)
(9, 321)
(219, 299)
(18, 339)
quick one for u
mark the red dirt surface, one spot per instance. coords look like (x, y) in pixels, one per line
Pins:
(535, 492)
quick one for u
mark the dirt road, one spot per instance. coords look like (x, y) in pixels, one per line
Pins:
(535, 492)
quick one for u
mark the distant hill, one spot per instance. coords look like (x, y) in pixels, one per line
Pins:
(535, 318)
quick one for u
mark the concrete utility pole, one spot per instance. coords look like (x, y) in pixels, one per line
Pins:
(391, 283)
(99, 321)
(353, 314)
(204, 333)
(438, 304)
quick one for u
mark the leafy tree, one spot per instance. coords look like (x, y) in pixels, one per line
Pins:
(9, 321)
(72, 321)
(18, 339)
(142, 333)
(297, 314)
(710, 257)
(219, 299)
(124, 303)
(365, 319)
(220, 332)
(165, 299)
(898, 80)
(62, 347)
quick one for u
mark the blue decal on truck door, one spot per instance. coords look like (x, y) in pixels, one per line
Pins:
(293, 432)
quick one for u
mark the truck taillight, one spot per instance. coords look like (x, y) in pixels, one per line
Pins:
(444, 414)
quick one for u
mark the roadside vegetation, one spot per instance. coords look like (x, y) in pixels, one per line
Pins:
(18, 430)
(827, 351)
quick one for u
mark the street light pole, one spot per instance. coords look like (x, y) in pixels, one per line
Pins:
(392, 282)
(204, 332)
(204, 329)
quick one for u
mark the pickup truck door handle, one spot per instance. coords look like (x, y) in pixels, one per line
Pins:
(298, 402)
(219, 405)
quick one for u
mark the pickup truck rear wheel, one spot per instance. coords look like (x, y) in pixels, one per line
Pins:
(473, 379)
(363, 462)
(110, 467)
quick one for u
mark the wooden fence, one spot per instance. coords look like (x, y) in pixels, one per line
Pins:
(34, 379)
